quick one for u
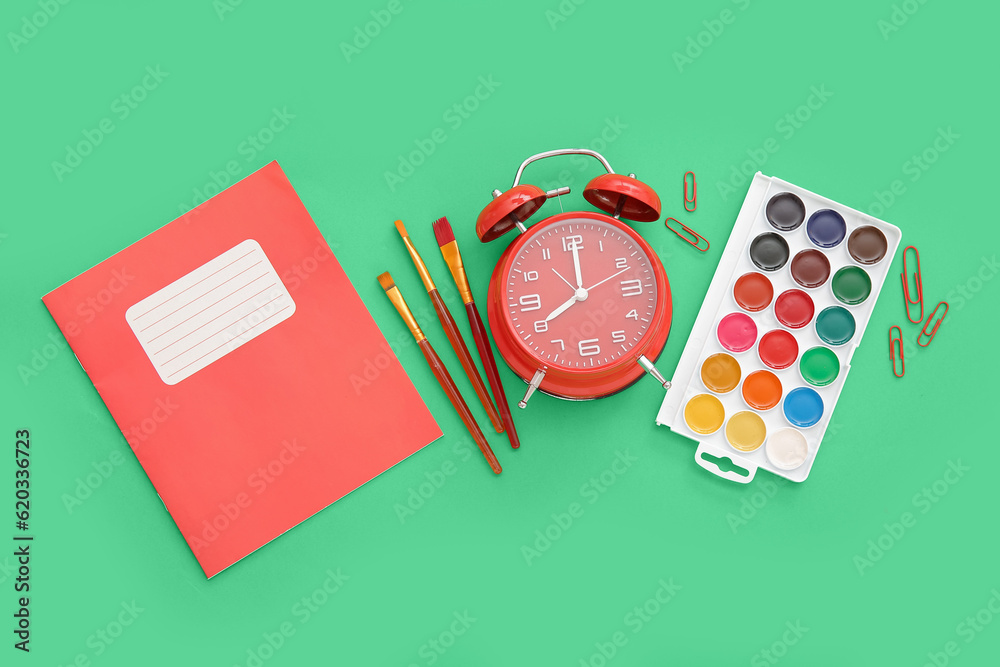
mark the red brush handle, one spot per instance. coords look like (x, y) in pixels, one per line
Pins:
(458, 344)
(492, 374)
(444, 378)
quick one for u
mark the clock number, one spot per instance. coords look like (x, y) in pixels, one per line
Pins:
(588, 347)
(633, 314)
(573, 242)
(621, 263)
(546, 253)
(618, 336)
(530, 302)
(631, 287)
(541, 326)
(530, 276)
(562, 346)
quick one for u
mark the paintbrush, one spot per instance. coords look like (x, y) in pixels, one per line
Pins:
(449, 250)
(451, 330)
(439, 370)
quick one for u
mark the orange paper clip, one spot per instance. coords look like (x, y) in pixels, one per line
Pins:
(693, 199)
(906, 287)
(898, 340)
(698, 238)
(924, 332)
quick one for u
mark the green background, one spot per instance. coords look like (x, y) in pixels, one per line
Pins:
(750, 561)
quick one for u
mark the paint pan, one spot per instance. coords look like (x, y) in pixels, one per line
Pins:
(785, 212)
(737, 332)
(794, 308)
(819, 366)
(721, 373)
(803, 407)
(835, 325)
(867, 245)
(851, 285)
(787, 448)
(769, 251)
(826, 228)
(746, 431)
(704, 414)
(778, 349)
(753, 292)
(810, 268)
(762, 390)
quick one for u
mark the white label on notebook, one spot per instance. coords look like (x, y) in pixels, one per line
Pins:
(210, 312)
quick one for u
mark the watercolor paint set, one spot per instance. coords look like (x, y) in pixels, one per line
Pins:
(770, 351)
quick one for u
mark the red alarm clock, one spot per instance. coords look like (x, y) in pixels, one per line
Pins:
(579, 304)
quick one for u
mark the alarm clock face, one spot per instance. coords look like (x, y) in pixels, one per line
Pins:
(580, 293)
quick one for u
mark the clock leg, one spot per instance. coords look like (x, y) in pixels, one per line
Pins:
(532, 386)
(651, 369)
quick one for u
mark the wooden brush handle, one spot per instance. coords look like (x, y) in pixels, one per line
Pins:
(441, 373)
(492, 374)
(458, 344)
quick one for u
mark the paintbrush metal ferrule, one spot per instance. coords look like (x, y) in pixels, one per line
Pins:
(449, 250)
(385, 280)
(453, 257)
(418, 261)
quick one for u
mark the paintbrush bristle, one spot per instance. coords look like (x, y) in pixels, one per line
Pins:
(442, 232)
(400, 228)
(385, 280)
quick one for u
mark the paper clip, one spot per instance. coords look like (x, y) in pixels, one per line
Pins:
(906, 287)
(930, 336)
(698, 238)
(892, 351)
(693, 199)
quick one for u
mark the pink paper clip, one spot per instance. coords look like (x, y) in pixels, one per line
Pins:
(930, 335)
(693, 199)
(698, 238)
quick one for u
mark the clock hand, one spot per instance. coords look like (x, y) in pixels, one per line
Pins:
(607, 279)
(563, 308)
(579, 294)
(576, 267)
(564, 280)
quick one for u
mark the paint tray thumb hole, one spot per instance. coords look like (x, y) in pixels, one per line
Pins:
(724, 464)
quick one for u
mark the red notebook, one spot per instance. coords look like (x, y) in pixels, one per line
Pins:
(237, 359)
